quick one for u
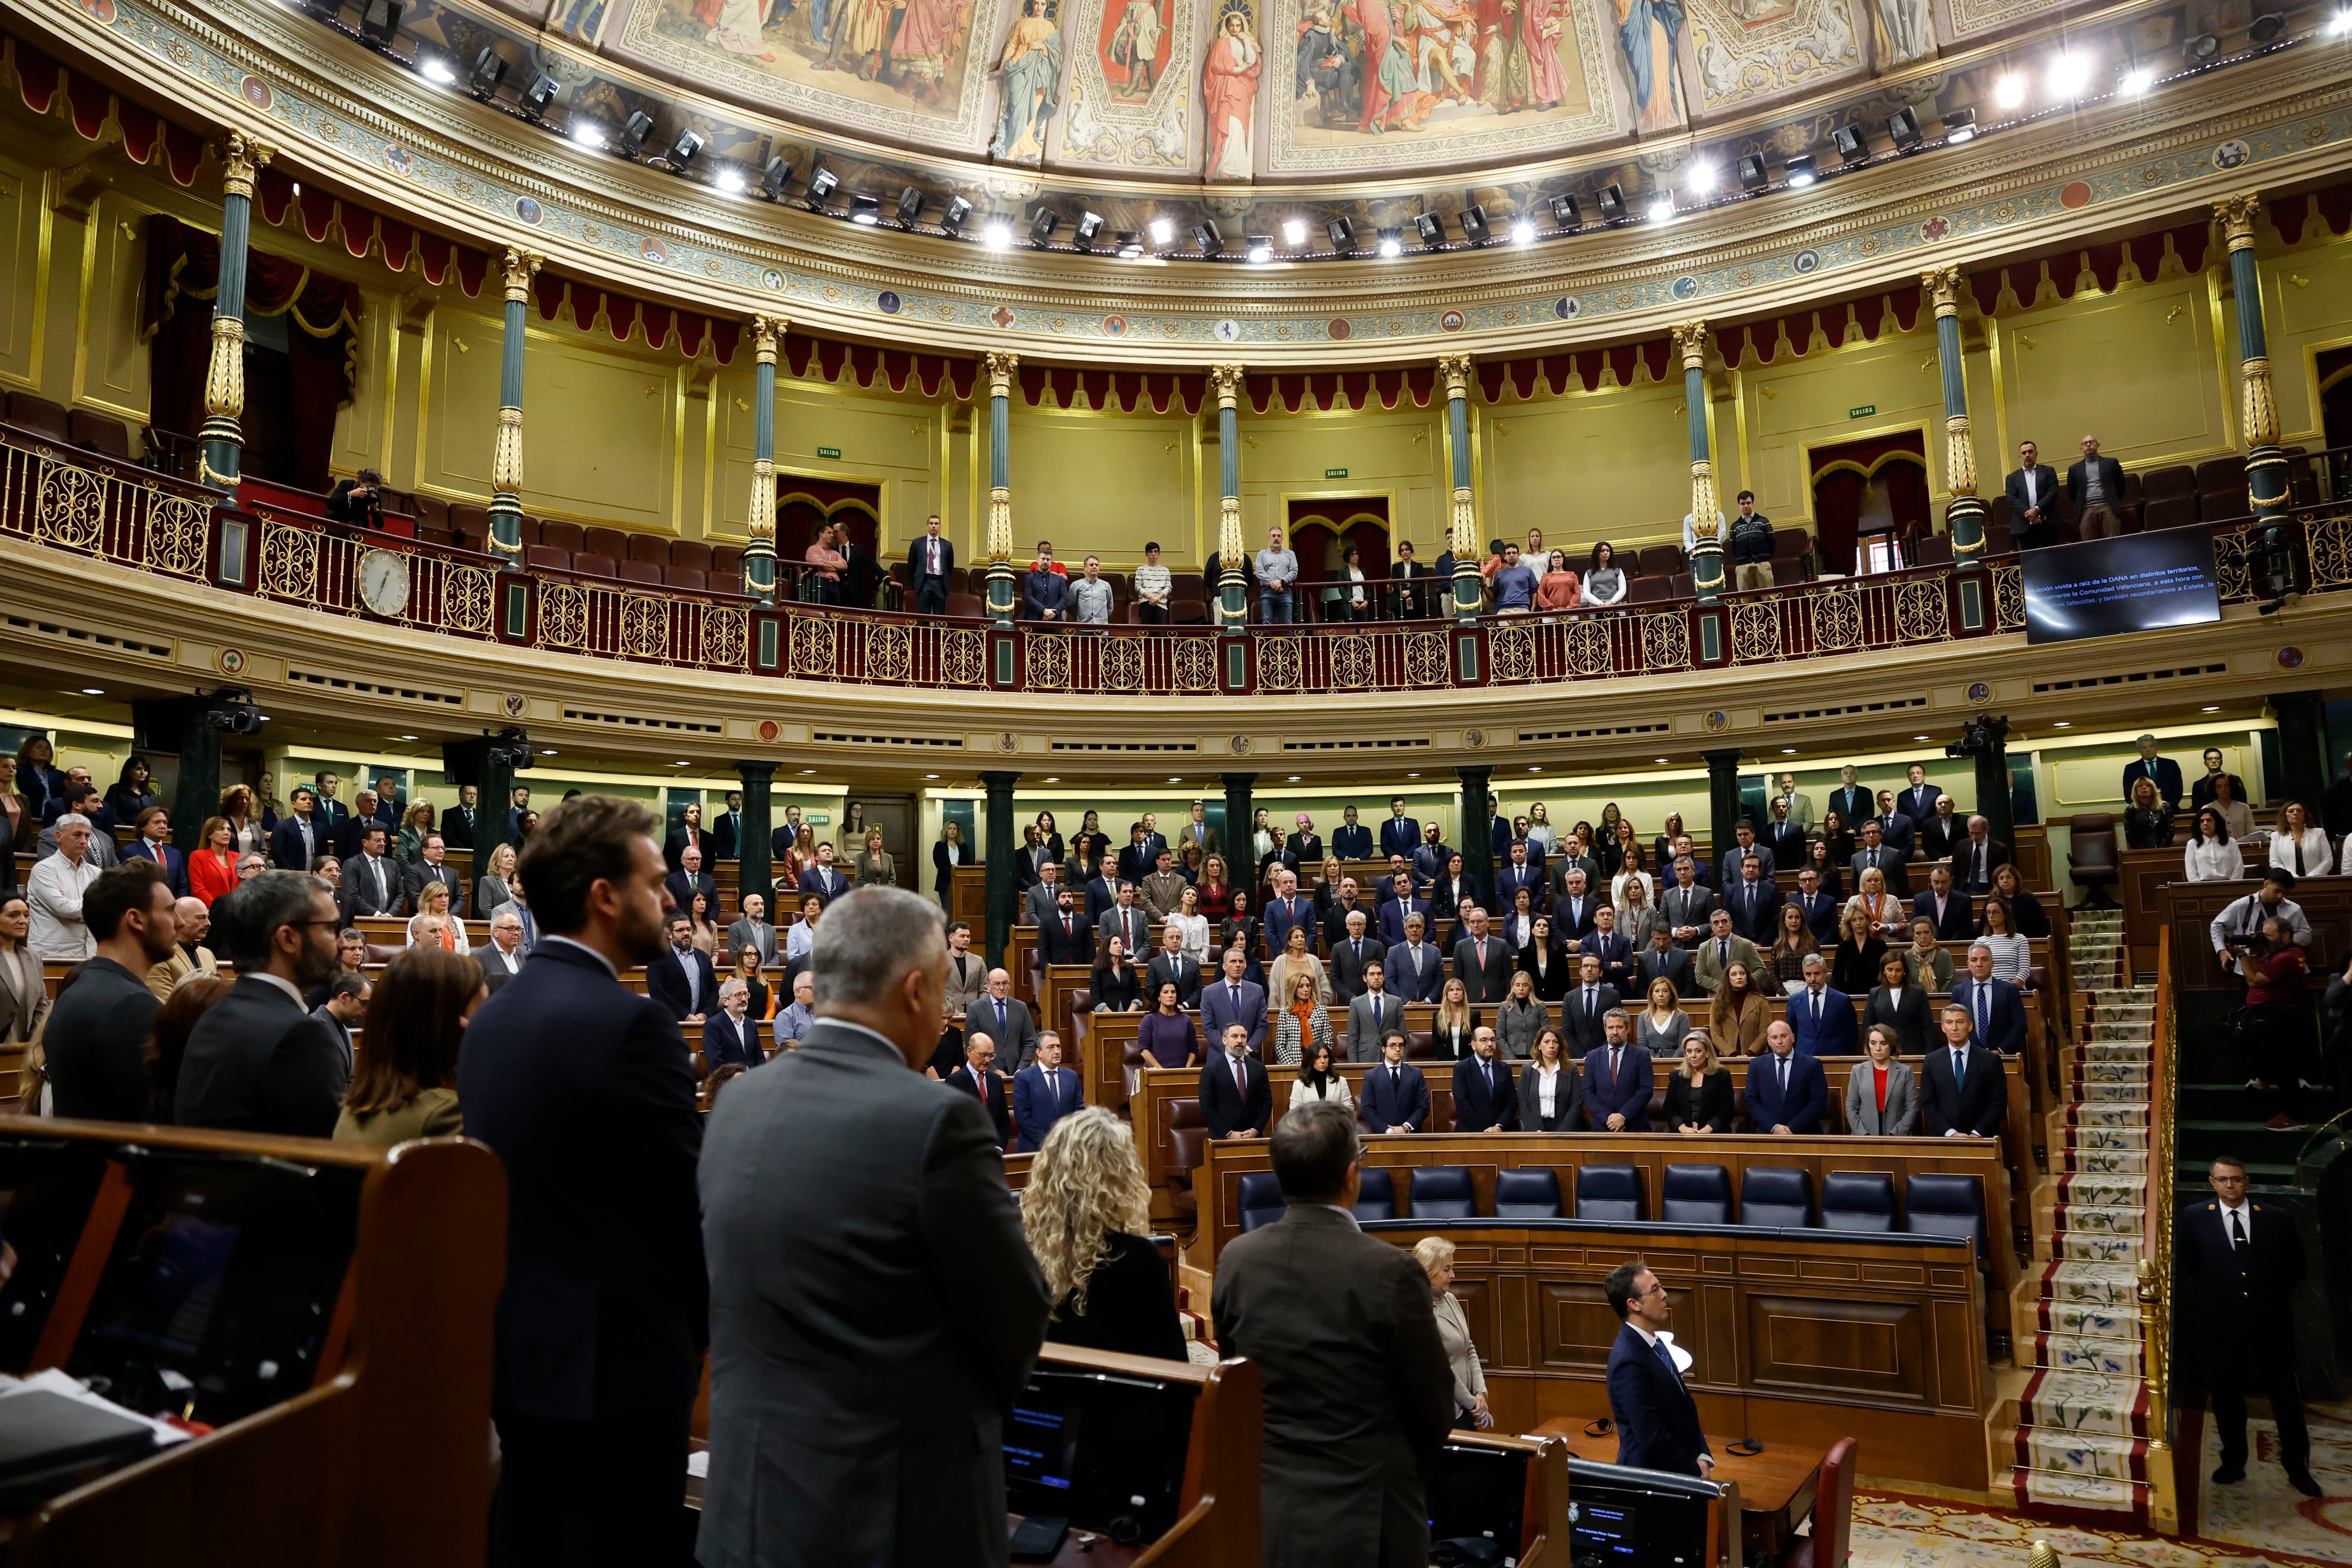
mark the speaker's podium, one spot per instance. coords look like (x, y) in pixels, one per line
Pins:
(321, 1314)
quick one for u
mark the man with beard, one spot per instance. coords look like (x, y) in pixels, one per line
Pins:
(582, 1088)
(258, 1062)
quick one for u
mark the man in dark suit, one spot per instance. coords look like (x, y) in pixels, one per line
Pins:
(1349, 955)
(1754, 900)
(1484, 963)
(1171, 964)
(727, 828)
(1657, 1419)
(1974, 862)
(2246, 1260)
(1358, 1394)
(1351, 840)
(1918, 798)
(458, 821)
(1962, 1090)
(1287, 909)
(301, 836)
(1483, 1097)
(435, 867)
(2200, 795)
(1820, 1014)
(351, 830)
(1236, 1102)
(1996, 1008)
(154, 846)
(1821, 909)
(2032, 493)
(1429, 860)
(1043, 1093)
(1727, 865)
(1395, 1097)
(1137, 859)
(1397, 909)
(1102, 892)
(1895, 827)
(731, 1034)
(825, 879)
(2161, 771)
(680, 976)
(96, 1035)
(1006, 1019)
(689, 834)
(501, 960)
(1399, 835)
(1125, 920)
(1336, 904)
(900, 1463)
(1689, 907)
(1849, 800)
(2095, 487)
(931, 569)
(1231, 999)
(1518, 873)
(1584, 1010)
(1416, 970)
(331, 811)
(1618, 1078)
(258, 1062)
(1662, 957)
(1945, 906)
(1876, 851)
(1409, 600)
(1784, 838)
(979, 1077)
(1788, 1093)
(371, 883)
(1066, 938)
(1941, 835)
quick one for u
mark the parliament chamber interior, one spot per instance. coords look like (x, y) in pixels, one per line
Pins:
(1599, 732)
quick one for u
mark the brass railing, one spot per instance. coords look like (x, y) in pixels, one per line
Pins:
(302, 564)
(123, 514)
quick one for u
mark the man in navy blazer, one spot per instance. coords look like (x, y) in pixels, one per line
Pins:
(1618, 1079)
(1754, 901)
(1102, 892)
(1918, 798)
(1784, 838)
(1236, 1100)
(825, 879)
(1351, 840)
(1484, 1098)
(1395, 1097)
(1518, 872)
(1896, 827)
(1043, 1093)
(2163, 772)
(1821, 909)
(979, 1077)
(584, 1090)
(1962, 1086)
(1949, 910)
(1233, 1000)
(1657, 1419)
(290, 850)
(1821, 1014)
(680, 976)
(1397, 913)
(1287, 909)
(1415, 970)
(1571, 913)
(153, 844)
(1429, 860)
(1399, 835)
(1996, 1008)
(1788, 1093)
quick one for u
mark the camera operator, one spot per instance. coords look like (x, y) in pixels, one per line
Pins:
(2273, 1033)
(358, 502)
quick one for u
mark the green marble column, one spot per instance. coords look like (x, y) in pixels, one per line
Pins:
(506, 456)
(223, 435)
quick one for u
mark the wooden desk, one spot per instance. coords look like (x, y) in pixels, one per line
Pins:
(1777, 1487)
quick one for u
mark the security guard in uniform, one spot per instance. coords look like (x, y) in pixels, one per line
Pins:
(2246, 1260)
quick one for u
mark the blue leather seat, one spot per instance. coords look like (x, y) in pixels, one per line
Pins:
(1611, 1193)
(1377, 1198)
(1442, 1192)
(1261, 1199)
(1859, 1200)
(1937, 1203)
(1697, 1194)
(1527, 1194)
(1777, 1195)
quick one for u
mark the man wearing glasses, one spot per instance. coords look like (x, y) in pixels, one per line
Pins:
(1657, 1420)
(260, 1061)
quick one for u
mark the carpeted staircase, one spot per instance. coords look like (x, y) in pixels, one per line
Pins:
(2081, 1435)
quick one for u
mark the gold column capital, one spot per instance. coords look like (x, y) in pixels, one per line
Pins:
(766, 332)
(2237, 214)
(520, 266)
(1944, 285)
(1690, 341)
(1000, 369)
(1227, 380)
(241, 160)
(1454, 370)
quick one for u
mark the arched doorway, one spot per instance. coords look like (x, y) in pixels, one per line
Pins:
(1870, 499)
(1322, 531)
(802, 505)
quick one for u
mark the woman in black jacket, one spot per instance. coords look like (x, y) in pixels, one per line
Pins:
(132, 793)
(2025, 911)
(2148, 822)
(1698, 1093)
(1543, 962)
(1114, 987)
(1088, 1215)
(1901, 1002)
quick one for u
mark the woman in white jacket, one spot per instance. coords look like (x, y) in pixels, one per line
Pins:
(2298, 845)
(2212, 855)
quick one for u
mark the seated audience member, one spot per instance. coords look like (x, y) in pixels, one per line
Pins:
(1395, 1097)
(1788, 1093)
(405, 1085)
(2012, 957)
(1086, 1212)
(1882, 1097)
(1821, 1016)
(1996, 1008)
(1855, 966)
(1166, 1036)
(1236, 1100)
(1699, 1091)
(1618, 1078)
(1720, 949)
(1929, 966)
(258, 1062)
(1964, 1090)
(2212, 854)
(796, 1017)
(978, 1076)
(682, 978)
(2025, 911)
(1900, 1001)
(1737, 1011)
(1551, 1089)
(1945, 906)
(1483, 1099)
(2147, 821)
(1043, 1093)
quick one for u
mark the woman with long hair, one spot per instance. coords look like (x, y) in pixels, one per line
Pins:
(1698, 1092)
(800, 858)
(1261, 835)
(1518, 1017)
(2211, 854)
(1543, 962)
(406, 1085)
(1790, 944)
(947, 855)
(1819, 860)
(133, 790)
(1054, 846)
(1929, 966)
(38, 778)
(1835, 834)
(1604, 580)
(1216, 892)
(1189, 920)
(1087, 1212)
(1454, 1022)
(416, 827)
(1114, 985)
(1555, 589)
(2024, 909)
(1167, 1036)
(1629, 872)
(1296, 960)
(242, 812)
(1737, 1013)
(433, 903)
(707, 938)
(1091, 834)
(1240, 929)
(1660, 1025)
(1319, 1079)
(2012, 958)
(1900, 1003)
(2147, 821)
(212, 864)
(494, 888)
(24, 996)
(747, 970)
(1662, 847)
(1539, 834)
(15, 813)
(1551, 1092)
(2297, 845)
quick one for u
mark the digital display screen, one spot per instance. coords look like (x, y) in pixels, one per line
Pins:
(1104, 1450)
(1621, 1518)
(2111, 587)
(1477, 1492)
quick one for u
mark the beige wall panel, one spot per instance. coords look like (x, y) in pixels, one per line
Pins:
(1797, 404)
(460, 403)
(359, 424)
(600, 432)
(881, 439)
(1548, 461)
(1398, 453)
(21, 302)
(2092, 780)
(1101, 483)
(2308, 297)
(110, 362)
(2136, 368)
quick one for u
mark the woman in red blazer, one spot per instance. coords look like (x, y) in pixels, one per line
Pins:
(211, 869)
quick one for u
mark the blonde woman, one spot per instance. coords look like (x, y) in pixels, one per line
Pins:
(1888, 919)
(1455, 1022)
(1520, 1018)
(495, 888)
(415, 828)
(1087, 1216)
(1303, 1026)
(432, 901)
(875, 866)
(1855, 966)
(1659, 1028)
(1698, 1093)
(1293, 959)
(1637, 911)
(1435, 1254)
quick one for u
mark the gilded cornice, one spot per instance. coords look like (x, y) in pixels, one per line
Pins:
(348, 122)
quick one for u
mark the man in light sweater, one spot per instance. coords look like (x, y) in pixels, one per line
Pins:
(1278, 575)
(1090, 597)
(1155, 585)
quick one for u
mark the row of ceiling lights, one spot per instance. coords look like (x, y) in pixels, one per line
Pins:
(2067, 81)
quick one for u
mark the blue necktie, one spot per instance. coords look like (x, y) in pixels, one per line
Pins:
(1668, 1357)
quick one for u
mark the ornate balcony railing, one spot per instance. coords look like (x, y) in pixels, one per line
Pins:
(80, 503)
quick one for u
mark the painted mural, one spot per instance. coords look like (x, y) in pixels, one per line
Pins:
(1756, 48)
(1389, 83)
(1904, 31)
(1032, 70)
(1130, 100)
(1229, 80)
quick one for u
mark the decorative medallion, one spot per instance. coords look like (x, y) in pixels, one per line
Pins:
(1001, 316)
(527, 210)
(231, 661)
(1806, 261)
(1338, 329)
(398, 161)
(256, 93)
(887, 302)
(101, 9)
(1116, 326)
(653, 249)
(1451, 322)
(1473, 738)
(1241, 744)
(514, 703)
(1936, 228)
(1228, 330)
(773, 279)
(2290, 658)
(1566, 308)
(2229, 154)
(1717, 720)
(1868, 244)
(2077, 194)
(1686, 287)
(2003, 211)
(1007, 740)
(1979, 691)
(768, 730)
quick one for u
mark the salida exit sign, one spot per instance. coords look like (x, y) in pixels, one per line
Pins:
(1864, 411)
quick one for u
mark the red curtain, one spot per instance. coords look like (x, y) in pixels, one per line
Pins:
(1842, 476)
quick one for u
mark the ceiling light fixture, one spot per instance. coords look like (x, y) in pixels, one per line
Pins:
(1612, 203)
(959, 209)
(2009, 91)
(539, 94)
(2135, 81)
(865, 210)
(2339, 24)
(1801, 172)
(821, 186)
(1702, 178)
(100, 691)
(1293, 232)
(911, 207)
(1754, 173)
(731, 180)
(1662, 206)
(1208, 237)
(1341, 233)
(1960, 125)
(630, 142)
(1565, 213)
(1258, 248)
(996, 234)
(1903, 129)
(437, 67)
(682, 151)
(1042, 224)
(2069, 76)
(1849, 146)
(2266, 27)
(1089, 226)
(1475, 227)
(1161, 230)
(1129, 246)
(1391, 244)
(775, 178)
(589, 134)
(1431, 228)
(1523, 230)
(488, 71)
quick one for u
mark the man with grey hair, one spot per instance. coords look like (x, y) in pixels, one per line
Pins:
(55, 889)
(798, 1016)
(887, 1448)
(259, 1061)
(728, 1034)
(1357, 1392)
(189, 955)
(249, 865)
(501, 961)
(1980, 858)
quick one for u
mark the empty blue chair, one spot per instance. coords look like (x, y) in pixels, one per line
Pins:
(1527, 1194)
(1858, 1200)
(1377, 1197)
(1442, 1192)
(1611, 1193)
(1936, 1202)
(1697, 1194)
(1261, 1199)
(1777, 1195)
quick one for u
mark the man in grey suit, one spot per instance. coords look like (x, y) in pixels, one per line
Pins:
(1687, 905)
(434, 867)
(1005, 1018)
(1374, 1012)
(1350, 954)
(501, 960)
(1483, 963)
(1041, 903)
(1876, 852)
(1358, 1393)
(753, 930)
(1233, 1000)
(100, 852)
(2095, 489)
(852, 1419)
(1722, 948)
(967, 974)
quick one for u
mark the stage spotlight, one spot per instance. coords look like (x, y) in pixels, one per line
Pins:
(996, 234)
(1208, 237)
(380, 21)
(821, 185)
(1391, 243)
(588, 135)
(488, 71)
(1960, 125)
(1754, 173)
(2339, 24)
(1129, 246)
(1612, 202)
(1341, 233)
(911, 207)
(2205, 46)
(682, 151)
(1564, 213)
(1042, 224)
(1161, 230)
(1523, 230)
(1661, 208)
(1089, 226)
(1293, 232)
(2069, 76)
(1903, 127)
(1475, 228)
(1258, 248)
(865, 210)
(1800, 171)
(1847, 140)
(2009, 91)
(630, 142)
(2266, 27)
(437, 67)
(775, 178)
(959, 209)
(1701, 178)
(2135, 81)
(539, 94)
(1431, 228)
(729, 179)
